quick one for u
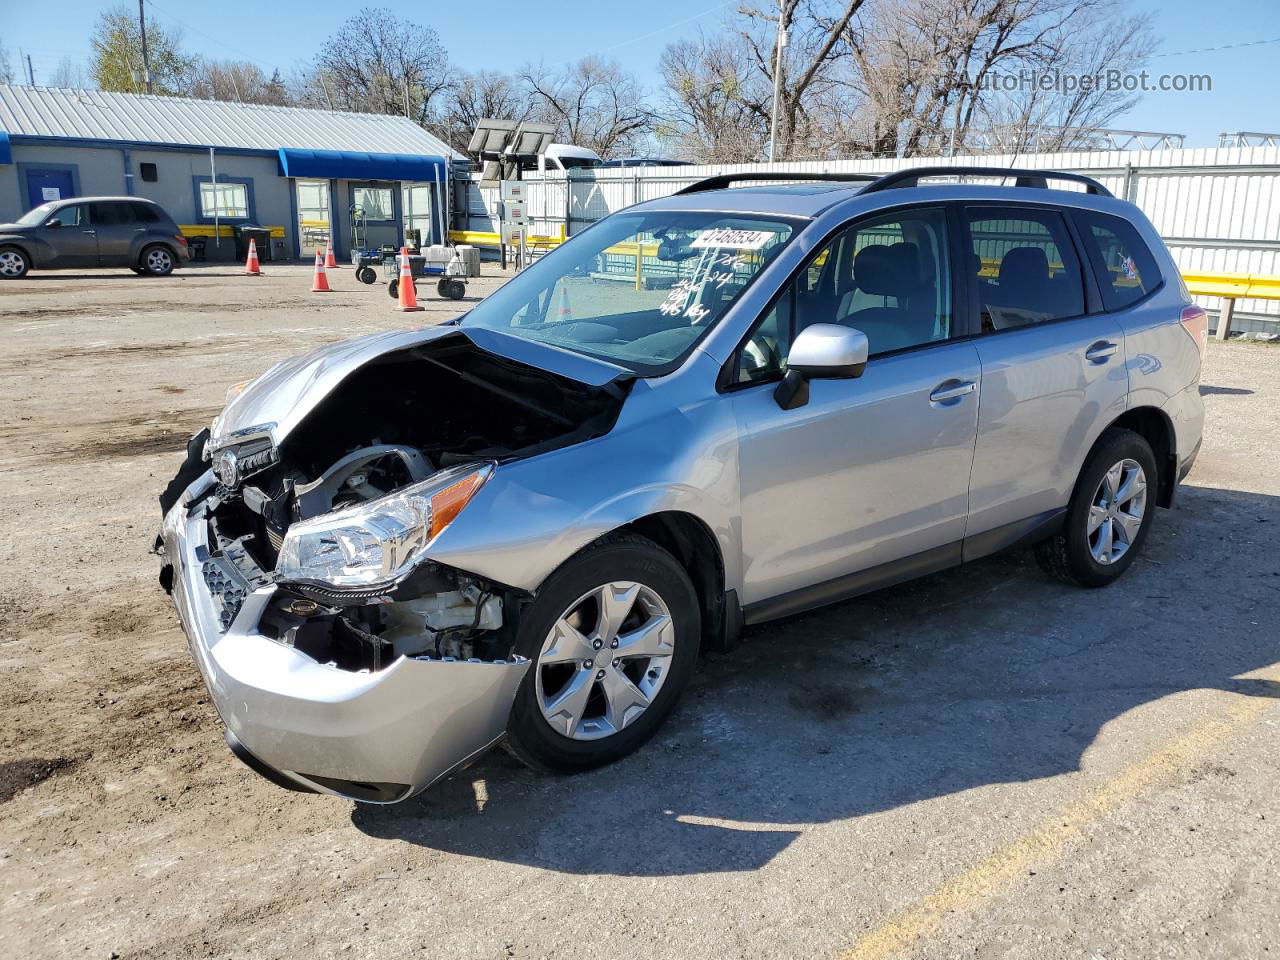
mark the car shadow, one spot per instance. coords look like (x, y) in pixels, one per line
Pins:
(1209, 391)
(986, 674)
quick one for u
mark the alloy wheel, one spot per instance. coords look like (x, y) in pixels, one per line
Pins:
(605, 660)
(1117, 511)
(159, 261)
(11, 264)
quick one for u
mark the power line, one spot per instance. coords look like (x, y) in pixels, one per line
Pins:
(1225, 46)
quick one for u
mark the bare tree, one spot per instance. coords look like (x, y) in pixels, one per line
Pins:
(593, 103)
(70, 73)
(6, 68)
(711, 107)
(238, 81)
(474, 96)
(806, 68)
(378, 63)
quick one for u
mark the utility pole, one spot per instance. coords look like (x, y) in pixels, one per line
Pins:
(31, 74)
(146, 64)
(777, 78)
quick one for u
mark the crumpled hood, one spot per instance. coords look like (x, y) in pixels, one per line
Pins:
(276, 402)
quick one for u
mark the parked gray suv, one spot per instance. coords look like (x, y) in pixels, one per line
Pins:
(723, 407)
(92, 232)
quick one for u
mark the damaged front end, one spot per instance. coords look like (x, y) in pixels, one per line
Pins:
(341, 657)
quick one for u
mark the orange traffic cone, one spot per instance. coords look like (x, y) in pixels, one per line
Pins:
(320, 283)
(408, 296)
(251, 267)
(566, 311)
(330, 261)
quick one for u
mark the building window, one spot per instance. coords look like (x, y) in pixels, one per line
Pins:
(148, 171)
(373, 202)
(227, 201)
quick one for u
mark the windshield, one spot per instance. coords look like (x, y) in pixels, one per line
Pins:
(36, 215)
(639, 290)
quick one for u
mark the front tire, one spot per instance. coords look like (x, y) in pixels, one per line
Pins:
(1109, 514)
(156, 261)
(613, 638)
(14, 264)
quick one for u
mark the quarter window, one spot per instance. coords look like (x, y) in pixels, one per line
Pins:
(888, 277)
(1025, 267)
(1123, 264)
(227, 201)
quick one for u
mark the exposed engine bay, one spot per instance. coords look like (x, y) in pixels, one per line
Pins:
(397, 421)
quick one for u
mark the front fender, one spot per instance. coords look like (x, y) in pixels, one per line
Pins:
(534, 514)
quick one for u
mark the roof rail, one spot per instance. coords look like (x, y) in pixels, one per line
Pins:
(1025, 178)
(725, 179)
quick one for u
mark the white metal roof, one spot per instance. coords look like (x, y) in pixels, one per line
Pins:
(95, 115)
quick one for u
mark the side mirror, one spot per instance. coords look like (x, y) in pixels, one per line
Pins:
(54, 223)
(822, 351)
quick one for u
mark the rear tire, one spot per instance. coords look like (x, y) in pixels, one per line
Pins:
(367, 275)
(14, 264)
(648, 647)
(1109, 514)
(156, 261)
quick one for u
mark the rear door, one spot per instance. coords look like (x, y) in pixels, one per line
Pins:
(1053, 373)
(117, 231)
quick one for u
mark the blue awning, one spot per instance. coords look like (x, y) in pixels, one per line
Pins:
(351, 165)
(6, 155)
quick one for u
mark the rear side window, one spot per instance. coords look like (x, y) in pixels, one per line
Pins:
(145, 213)
(112, 214)
(1025, 265)
(1122, 262)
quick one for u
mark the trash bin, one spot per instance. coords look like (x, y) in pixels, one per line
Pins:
(261, 237)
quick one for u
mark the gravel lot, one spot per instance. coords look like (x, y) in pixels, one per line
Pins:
(982, 763)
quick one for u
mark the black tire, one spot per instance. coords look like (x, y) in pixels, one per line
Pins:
(367, 275)
(393, 288)
(631, 558)
(14, 263)
(157, 260)
(456, 290)
(1067, 555)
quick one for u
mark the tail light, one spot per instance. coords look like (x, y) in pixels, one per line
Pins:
(182, 241)
(1196, 322)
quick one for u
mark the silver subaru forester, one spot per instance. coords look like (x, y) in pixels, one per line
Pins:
(716, 409)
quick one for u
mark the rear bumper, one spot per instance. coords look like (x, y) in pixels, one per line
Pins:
(374, 736)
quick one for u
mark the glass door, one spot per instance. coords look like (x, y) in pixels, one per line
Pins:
(313, 216)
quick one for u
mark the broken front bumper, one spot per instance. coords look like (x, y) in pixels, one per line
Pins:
(374, 736)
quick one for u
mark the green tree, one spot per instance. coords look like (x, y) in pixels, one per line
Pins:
(116, 64)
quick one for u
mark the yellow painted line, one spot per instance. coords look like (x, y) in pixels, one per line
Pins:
(1050, 836)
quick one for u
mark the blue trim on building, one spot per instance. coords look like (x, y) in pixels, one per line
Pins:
(6, 154)
(251, 206)
(118, 144)
(353, 165)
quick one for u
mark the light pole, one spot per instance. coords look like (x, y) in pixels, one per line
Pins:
(777, 78)
(142, 29)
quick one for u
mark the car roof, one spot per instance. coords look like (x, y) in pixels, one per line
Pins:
(112, 199)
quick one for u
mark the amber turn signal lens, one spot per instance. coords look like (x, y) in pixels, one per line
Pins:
(448, 503)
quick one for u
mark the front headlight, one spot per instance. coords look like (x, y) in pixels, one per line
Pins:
(375, 543)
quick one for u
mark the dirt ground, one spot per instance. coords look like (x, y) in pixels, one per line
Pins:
(983, 763)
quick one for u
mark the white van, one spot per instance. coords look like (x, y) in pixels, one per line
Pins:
(565, 156)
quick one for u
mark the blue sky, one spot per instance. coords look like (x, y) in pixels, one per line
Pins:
(502, 36)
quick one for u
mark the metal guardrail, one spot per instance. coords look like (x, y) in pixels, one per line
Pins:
(1232, 287)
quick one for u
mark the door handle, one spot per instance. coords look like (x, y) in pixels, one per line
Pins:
(89, 231)
(951, 390)
(1100, 351)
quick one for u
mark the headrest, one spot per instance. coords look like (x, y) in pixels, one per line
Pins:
(886, 271)
(1023, 264)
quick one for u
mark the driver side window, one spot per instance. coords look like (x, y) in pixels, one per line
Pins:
(888, 277)
(72, 216)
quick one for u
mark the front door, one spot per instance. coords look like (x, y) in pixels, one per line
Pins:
(46, 185)
(70, 237)
(873, 470)
(1053, 376)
